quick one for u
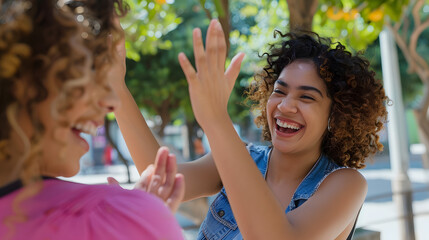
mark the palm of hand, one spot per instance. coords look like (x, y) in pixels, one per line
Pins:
(210, 87)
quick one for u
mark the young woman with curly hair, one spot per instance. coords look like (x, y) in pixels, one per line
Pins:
(321, 109)
(57, 63)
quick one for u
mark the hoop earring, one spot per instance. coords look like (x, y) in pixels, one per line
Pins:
(329, 124)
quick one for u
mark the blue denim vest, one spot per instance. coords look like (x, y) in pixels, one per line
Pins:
(220, 222)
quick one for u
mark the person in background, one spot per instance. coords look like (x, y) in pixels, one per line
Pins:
(57, 62)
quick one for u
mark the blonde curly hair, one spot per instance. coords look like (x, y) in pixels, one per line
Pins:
(71, 42)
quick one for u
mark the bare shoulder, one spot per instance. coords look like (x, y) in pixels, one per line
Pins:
(346, 179)
(332, 208)
(345, 185)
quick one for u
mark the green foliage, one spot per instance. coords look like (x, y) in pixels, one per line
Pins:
(253, 25)
(145, 25)
(356, 23)
(156, 80)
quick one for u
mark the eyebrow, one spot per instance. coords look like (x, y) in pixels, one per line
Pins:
(303, 87)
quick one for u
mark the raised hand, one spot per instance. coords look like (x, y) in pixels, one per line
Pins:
(210, 85)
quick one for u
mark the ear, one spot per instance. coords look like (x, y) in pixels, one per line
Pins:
(24, 90)
(20, 89)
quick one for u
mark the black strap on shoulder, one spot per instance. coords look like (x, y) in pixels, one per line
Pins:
(15, 185)
(352, 232)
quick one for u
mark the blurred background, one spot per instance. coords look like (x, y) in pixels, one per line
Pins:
(157, 30)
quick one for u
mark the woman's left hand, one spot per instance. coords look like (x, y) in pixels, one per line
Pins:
(210, 86)
(162, 180)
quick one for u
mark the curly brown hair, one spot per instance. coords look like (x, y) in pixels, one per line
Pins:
(358, 100)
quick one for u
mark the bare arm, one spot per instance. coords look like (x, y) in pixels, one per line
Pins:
(256, 209)
(201, 177)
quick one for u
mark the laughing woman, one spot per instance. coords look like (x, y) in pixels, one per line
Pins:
(57, 62)
(320, 108)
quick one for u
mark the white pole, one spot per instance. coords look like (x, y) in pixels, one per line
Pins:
(398, 144)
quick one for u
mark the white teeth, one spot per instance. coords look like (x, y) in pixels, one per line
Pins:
(287, 125)
(87, 127)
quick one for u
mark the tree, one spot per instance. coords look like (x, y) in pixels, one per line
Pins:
(408, 32)
(357, 23)
(156, 80)
(147, 22)
(301, 14)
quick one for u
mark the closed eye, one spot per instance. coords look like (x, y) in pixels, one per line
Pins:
(307, 97)
(278, 91)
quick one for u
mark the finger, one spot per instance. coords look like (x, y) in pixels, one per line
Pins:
(112, 181)
(155, 183)
(159, 173)
(200, 58)
(171, 170)
(145, 178)
(222, 51)
(176, 197)
(161, 162)
(187, 68)
(212, 44)
(233, 70)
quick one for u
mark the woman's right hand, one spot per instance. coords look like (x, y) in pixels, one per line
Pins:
(210, 86)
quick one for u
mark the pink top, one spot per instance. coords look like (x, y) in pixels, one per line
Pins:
(66, 210)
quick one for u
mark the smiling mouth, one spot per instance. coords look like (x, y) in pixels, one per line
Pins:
(286, 127)
(87, 127)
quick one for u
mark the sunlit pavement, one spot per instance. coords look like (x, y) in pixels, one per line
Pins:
(378, 214)
(382, 214)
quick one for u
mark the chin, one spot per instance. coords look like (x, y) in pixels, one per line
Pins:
(69, 169)
(70, 172)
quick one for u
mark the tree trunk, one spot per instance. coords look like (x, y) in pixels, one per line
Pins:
(225, 22)
(421, 115)
(191, 126)
(417, 64)
(165, 120)
(115, 146)
(301, 13)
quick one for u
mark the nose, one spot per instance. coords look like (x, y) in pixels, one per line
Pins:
(109, 101)
(288, 105)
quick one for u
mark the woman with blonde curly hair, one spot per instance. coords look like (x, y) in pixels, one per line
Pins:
(320, 108)
(58, 59)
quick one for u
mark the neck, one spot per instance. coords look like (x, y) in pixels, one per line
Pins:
(10, 168)
(291, 166)
(8, 174)
(17, 147)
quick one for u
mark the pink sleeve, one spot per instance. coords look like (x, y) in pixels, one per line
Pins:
(137, 215)
(100, 212)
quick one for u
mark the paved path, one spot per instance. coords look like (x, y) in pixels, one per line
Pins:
(381, 214)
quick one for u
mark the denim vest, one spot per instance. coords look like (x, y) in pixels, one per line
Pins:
(220, 222)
